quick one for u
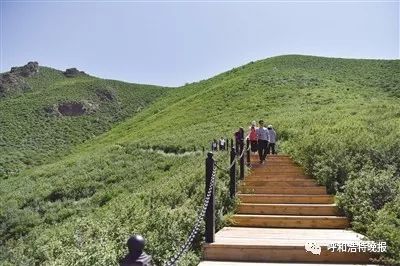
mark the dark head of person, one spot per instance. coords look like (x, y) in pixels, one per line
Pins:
(261, 122)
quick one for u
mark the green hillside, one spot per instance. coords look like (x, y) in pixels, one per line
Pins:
(34, 131)
(339, 118)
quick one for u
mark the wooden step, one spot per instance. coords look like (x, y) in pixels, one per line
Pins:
(277, 170)
(291, 190)
(288, 209)
(256, 162)
(280, 168)
(282, 245)
(289, 221)
(273, 160)
(277, 177)
(280, 183)
(246, 263)
(274, 165)
(287, 173)
(272, 172)
(279, 198)
(276, 156)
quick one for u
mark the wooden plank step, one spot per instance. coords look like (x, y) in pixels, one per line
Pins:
(257, 165)
(278, 178)
(280, 183)
(269, 172)
(282, 245)
(277, 171)
(279, 198)
(289, 221)
(280, 254)
(320, 190)
(269, 162)
(246, 263)
(266, 176)
(274, 155)
(278, 160)
(277, 167)
(274, 166)
(288, 209)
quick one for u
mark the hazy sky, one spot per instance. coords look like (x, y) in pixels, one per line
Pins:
(173, 42)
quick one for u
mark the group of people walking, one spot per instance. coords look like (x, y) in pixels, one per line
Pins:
(218, 144)
(262, 139)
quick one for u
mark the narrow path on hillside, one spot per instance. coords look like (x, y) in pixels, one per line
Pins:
(162, 152)
(281, 212)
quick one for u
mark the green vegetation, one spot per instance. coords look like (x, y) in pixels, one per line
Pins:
(339, 118)
(32, 131)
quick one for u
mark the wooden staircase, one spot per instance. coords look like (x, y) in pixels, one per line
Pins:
(281, 209)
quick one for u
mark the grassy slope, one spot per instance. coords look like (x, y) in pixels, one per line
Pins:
(336, 116)
(30, 136)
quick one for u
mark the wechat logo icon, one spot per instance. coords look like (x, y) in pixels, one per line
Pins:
(313, 247)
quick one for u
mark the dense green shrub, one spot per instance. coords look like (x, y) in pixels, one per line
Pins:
(365, 193)
(386, 227)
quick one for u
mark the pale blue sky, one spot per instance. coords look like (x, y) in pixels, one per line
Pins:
(170, 43)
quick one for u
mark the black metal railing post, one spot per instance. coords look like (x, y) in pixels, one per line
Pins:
(241, 159)
(248, 152)
(210, 212)
(237, 147)
(136, 255)
(232, 174)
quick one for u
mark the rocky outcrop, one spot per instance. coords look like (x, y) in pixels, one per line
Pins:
(73, 72)
(26, 71)
(106, 94)
(13, 82)
(71, 108)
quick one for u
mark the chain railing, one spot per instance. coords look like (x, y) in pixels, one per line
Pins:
(189, 241)
(207, 210)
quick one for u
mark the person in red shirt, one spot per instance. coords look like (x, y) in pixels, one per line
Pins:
(252, 136)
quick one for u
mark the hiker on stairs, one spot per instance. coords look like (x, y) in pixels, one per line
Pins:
(252, 136)
(239, 137)
(272, 140)
(263, 138)
(222, 144)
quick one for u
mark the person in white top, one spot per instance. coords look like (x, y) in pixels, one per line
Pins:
(222, 144)
(263, 138)
(272, 140)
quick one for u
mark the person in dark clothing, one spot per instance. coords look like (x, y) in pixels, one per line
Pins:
(239, 136)
(136, 255)
(263, 138)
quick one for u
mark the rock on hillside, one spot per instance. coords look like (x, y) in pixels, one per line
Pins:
(73, 72)
(28, 70)
(13, 82)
